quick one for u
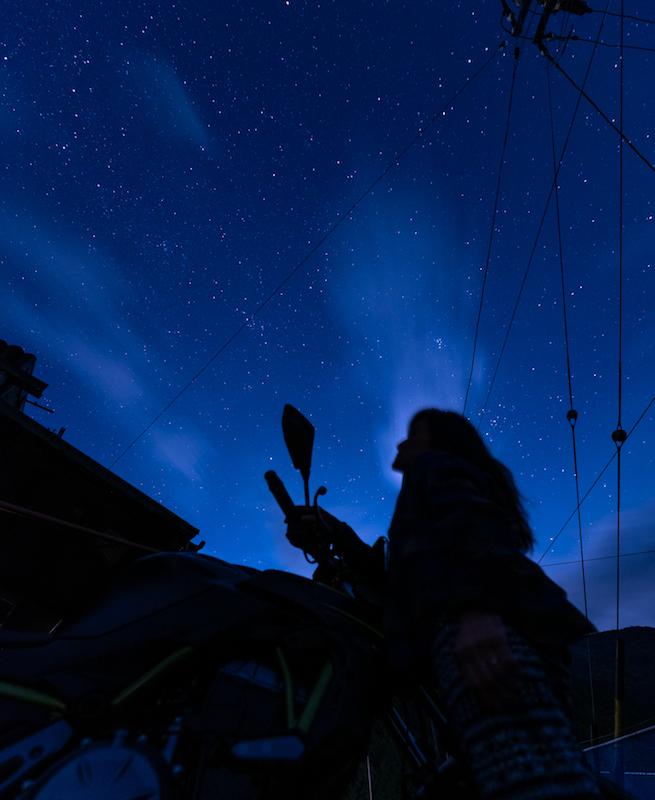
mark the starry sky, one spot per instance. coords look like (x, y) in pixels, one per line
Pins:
(166, 166)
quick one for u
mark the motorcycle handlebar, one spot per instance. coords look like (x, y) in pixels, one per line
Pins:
(279, 492)
(327, 540)
(307, 541)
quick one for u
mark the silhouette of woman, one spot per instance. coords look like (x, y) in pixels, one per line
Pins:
(493, 629)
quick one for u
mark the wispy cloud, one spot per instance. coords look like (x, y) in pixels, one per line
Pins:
(183, 451)
(112, 374)
(401, 295)
(71, 299)
(73, 303)
(166, 101)
(637, 588)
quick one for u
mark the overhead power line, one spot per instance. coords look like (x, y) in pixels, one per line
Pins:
(607, 13)
(619, 434)
(597, 558)
(492, 227)
(632, 17)
(572, 414)
(535, 243)
(574, 38)
(601, 113)
(431, 124)
(595, 481)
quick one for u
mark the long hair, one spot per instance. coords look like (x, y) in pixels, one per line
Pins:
(454, 434)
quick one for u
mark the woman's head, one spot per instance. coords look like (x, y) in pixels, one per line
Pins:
(451, 432)
(433, 429)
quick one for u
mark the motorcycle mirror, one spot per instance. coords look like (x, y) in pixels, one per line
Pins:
(298, 434)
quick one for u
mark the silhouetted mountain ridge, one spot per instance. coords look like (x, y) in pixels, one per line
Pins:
(639, 697)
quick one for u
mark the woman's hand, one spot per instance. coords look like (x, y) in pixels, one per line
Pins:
(316, 532)
(487, 664)
(302, 526)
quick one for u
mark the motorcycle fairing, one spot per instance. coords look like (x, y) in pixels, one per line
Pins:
(214, 613)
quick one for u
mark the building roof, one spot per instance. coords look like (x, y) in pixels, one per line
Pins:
(41, 471)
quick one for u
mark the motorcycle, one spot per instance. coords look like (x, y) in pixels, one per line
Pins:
(190, 677)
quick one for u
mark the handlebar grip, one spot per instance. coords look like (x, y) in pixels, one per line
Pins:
(279, 492)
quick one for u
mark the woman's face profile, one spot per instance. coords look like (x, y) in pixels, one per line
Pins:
(417, 442)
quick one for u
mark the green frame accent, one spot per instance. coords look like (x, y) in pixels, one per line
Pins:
(304, 722)
(288, 687)
(151, 674)
(32, 696)
(316, 697)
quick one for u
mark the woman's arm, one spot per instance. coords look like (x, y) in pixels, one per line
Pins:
(487, 664)
(304, 527)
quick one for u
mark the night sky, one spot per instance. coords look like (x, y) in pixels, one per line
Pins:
(166, 165)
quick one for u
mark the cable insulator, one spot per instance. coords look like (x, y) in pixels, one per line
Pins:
(572, 416)
(619, 436)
